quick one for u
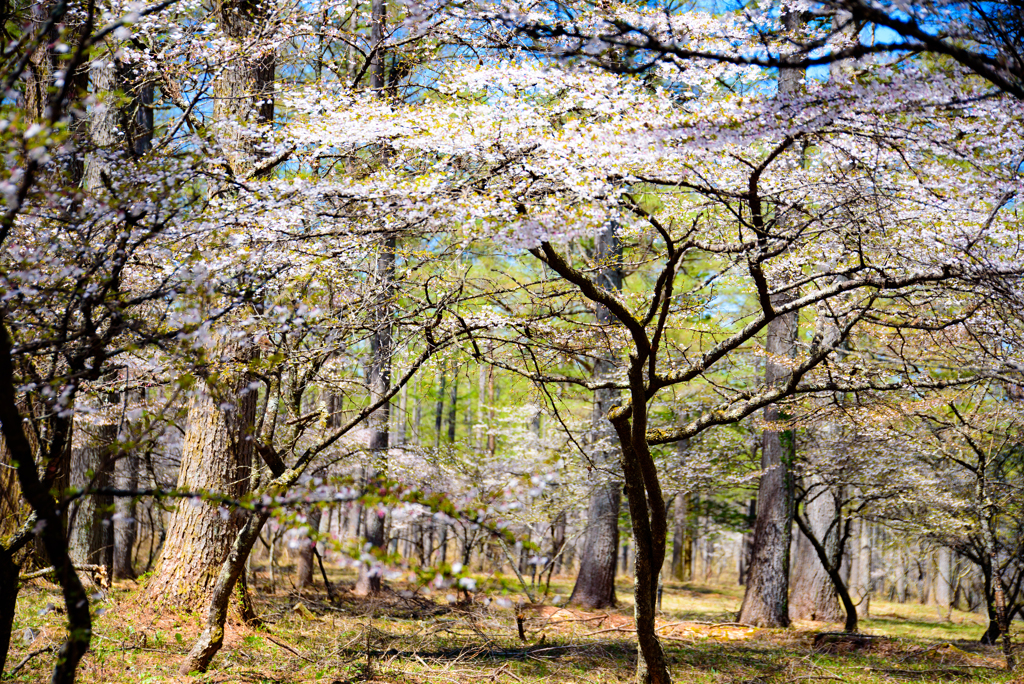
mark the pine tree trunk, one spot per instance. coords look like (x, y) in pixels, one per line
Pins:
(766, 600)
(595, 582)
(92, 468)
(863, 560)
(244, 90)
(944, 581)
(813, 595)
(126, 473)
(304, 570)
(216, 457)
(381, 350)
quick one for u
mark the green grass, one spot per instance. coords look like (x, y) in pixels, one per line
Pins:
(423, 639)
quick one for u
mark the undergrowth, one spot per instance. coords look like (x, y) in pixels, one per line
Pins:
(411, 636)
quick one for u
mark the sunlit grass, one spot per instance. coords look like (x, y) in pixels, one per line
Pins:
(425, 639)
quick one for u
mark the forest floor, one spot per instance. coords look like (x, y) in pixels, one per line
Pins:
(415, 638)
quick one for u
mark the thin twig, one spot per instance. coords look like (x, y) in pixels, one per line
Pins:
(286, 647)
(23, 662)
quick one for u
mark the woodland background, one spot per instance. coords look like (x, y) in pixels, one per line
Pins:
(459, 309)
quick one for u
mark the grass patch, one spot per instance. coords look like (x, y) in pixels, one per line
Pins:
(407, 637)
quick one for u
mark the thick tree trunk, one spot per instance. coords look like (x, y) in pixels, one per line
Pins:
(381, 340)
(244, 91)
(766, 600)
(595, 582)
(126, 473)
(813, 595)
(832, 566)
(217, 458)
(92, 467)
(212, 637)
(681, 567)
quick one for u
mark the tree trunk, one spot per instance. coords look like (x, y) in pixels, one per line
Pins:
(439, 406)
(682, 539)
(901, 575)
(8, 601)
(126, 526)
(91, 468)
(453, 399)
(557, 545)
(944, 581)
(212, 637)
(832, 565)
(595, 582)
(244, 90)
(765, 602)
(382, 345)
(304, 572)
(217, 458)
(863, 561)
(813, 595)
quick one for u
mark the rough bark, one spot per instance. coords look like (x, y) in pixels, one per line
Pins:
(304, 571)
(833, 566)
(120, 123)
(212, 637)
(244, 91)
(381, 350)
(216, 458)
(682, 538)
(766, 600)
(595, 581)
(813, 594)
(126, 475)
(91, 533)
